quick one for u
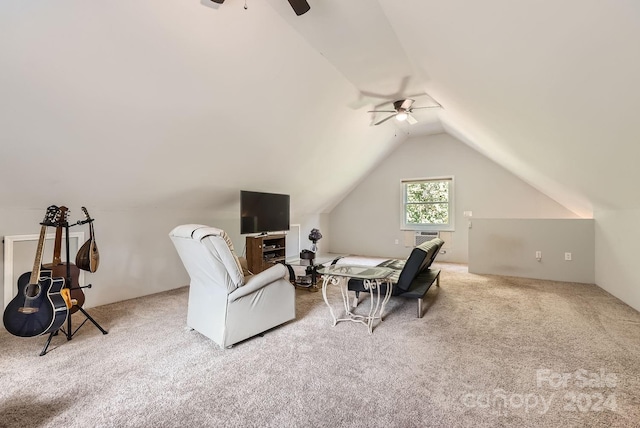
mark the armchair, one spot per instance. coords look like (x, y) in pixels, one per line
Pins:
(224, 304)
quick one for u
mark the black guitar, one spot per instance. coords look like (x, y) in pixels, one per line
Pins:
(39, 307)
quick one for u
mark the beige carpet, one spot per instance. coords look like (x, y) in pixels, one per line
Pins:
(490, 351)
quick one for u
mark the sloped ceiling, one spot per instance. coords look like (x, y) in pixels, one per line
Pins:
(547, 88)
(172, 104)
(182, 103)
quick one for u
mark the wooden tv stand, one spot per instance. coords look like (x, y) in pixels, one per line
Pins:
(264, 251)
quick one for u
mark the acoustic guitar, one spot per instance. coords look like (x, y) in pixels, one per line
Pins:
(73, 294)
(38, 308)
(88, 257)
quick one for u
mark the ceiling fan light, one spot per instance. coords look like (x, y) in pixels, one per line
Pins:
(401, 117)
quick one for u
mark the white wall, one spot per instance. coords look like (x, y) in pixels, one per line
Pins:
(136, 254)
(617, 235)
(508, 247)
(367, 221)
(137, 257)
(311, 221)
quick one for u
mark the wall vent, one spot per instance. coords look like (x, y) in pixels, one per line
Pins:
(422, 237)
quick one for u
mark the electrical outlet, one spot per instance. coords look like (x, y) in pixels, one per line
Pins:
(567, 256)
(468, 213)
(538, 255)
(397, 241)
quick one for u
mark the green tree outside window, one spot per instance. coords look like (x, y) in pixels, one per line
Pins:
(427, 202)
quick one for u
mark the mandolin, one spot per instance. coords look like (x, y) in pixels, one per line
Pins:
(88, 257)
(39, 307)
(59, 269)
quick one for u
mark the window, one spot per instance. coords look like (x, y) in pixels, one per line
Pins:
(427, 204)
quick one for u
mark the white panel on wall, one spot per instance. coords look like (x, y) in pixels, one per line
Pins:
(447, 237)
(20, 253)
(409, 238)
(293, 243)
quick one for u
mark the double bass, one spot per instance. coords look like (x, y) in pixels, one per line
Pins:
(59, 268)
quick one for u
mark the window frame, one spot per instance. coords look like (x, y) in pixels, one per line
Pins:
(448, 227)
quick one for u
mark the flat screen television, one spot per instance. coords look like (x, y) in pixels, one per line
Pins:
(263, 212)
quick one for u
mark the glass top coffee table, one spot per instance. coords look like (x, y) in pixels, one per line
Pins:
(372, 277)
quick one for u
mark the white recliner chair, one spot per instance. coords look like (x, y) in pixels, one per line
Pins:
(225, 305)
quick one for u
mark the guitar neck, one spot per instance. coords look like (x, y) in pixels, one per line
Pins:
(35, 272)
(56, 247)
(58, 241)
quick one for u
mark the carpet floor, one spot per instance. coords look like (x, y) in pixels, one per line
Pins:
(490, 351)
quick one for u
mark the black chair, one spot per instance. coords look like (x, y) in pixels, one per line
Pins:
(412, 277)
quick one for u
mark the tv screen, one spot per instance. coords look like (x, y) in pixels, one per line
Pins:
(263, 212)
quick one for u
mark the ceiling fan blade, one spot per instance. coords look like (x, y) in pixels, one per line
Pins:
(406, 104)
(384, 120)
(382, 111)
(299, 6)
(416, 108)
(411, 120)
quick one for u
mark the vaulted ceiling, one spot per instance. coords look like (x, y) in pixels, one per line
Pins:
(182, 103)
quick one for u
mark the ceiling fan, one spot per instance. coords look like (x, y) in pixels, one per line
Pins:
(402, 110)
(299, 6)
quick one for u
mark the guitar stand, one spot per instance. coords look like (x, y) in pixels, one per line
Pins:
(69, 332)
